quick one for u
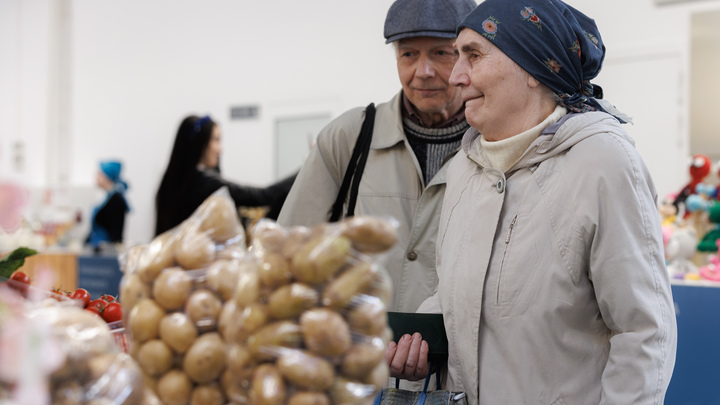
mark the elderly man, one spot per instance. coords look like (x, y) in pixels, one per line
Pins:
(413, 136)
(552, 279)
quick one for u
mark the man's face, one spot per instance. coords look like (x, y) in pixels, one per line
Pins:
(496, 91)
(424, 66)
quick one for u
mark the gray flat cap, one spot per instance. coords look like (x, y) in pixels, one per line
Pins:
(425, 18)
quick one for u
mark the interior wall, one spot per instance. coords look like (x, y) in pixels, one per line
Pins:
(136, 68)
(705, 84)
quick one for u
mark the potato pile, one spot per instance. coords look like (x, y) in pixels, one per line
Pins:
(308, 324)
(93, 370)
(173, 292)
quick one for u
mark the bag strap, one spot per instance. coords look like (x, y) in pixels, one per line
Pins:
(355, 168)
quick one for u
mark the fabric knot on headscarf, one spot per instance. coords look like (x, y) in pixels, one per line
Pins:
(555, 43)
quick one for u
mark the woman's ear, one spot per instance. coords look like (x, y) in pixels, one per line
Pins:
(532, 82)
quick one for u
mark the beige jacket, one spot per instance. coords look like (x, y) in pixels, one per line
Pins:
(551, 277)
(392, 186)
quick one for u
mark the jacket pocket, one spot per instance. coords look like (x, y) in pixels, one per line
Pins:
(519, 261)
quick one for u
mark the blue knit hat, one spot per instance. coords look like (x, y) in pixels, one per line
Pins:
(111, 169)
(555, 43)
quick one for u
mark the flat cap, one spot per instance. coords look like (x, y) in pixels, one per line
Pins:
(425, 18)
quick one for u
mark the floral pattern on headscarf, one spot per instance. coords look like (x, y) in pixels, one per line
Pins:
(555, 43)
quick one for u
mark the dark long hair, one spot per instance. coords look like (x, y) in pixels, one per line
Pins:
(191, 140)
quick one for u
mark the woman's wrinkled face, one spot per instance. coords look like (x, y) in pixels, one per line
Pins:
(496, 91)
(211, 157)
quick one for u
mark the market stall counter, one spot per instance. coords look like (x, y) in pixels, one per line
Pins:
(694, 380)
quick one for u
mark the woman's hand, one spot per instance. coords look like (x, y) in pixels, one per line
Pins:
(408, 359)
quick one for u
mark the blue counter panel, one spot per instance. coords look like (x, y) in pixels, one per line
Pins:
(99, 275)
(696, 379)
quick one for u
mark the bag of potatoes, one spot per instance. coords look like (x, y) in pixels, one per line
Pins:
(173, 293)
(309, 324)
(72, 355)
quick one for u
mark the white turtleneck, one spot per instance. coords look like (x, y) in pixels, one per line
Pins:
(503, 154)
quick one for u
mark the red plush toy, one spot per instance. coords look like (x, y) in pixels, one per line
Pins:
(699, 169)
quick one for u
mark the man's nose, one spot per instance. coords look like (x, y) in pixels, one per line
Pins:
(425, 68)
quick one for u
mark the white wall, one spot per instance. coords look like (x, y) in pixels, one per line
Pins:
(138, 67)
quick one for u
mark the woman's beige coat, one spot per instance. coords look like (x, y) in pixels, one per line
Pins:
(551, 277)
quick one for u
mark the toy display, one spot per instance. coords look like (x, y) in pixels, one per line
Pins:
(691, 225)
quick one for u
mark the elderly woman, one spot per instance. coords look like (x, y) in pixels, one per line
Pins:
(552, 280)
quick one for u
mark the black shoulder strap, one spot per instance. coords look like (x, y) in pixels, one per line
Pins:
(355, 168)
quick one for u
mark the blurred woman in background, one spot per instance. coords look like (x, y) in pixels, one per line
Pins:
(108, 218)
(193, 173)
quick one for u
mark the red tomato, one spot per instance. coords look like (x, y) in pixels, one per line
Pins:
(21, 277)
(82, 295)
(93, 310)
(112, 312)
(97, 304)
(107, 298)
(20, 282)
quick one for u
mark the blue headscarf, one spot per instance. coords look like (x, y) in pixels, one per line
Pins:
(555, 43)
(112, 169)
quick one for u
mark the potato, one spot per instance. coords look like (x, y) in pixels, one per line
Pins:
(296, 239)
(99, 365)
(204, 361)
(219, 218)
(268, 387)
(132, 290)
(194, 249)
(248, 287)
(232, 249)
(155, 357)
(240, 361)
(172, 288)
(349, 392)
(362, 358)
(174, 388)
(325, 332)
(207, 395)
(249, 321)
(368, 317)
(226, 319)
(378, 376)
(270, 237)
(70, 393)
(291, 300)
(306, 370)
(177, 331)
(203, 309)
(222, 276)
(158, 255)
(235, 390)
(369, 234)
(274, 271)
(308, 398)
(320, 259)
(340, 291)
(144, 320)
(118, 379)
(264, 343)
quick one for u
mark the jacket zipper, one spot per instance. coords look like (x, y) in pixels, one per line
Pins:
(502, 265)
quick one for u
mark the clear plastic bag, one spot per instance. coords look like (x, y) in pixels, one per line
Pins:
(310, 318)
(66, 355)
(173, 293)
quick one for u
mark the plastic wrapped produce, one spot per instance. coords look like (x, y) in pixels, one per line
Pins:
(309, 320)
(174, 292)
(57, 353)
